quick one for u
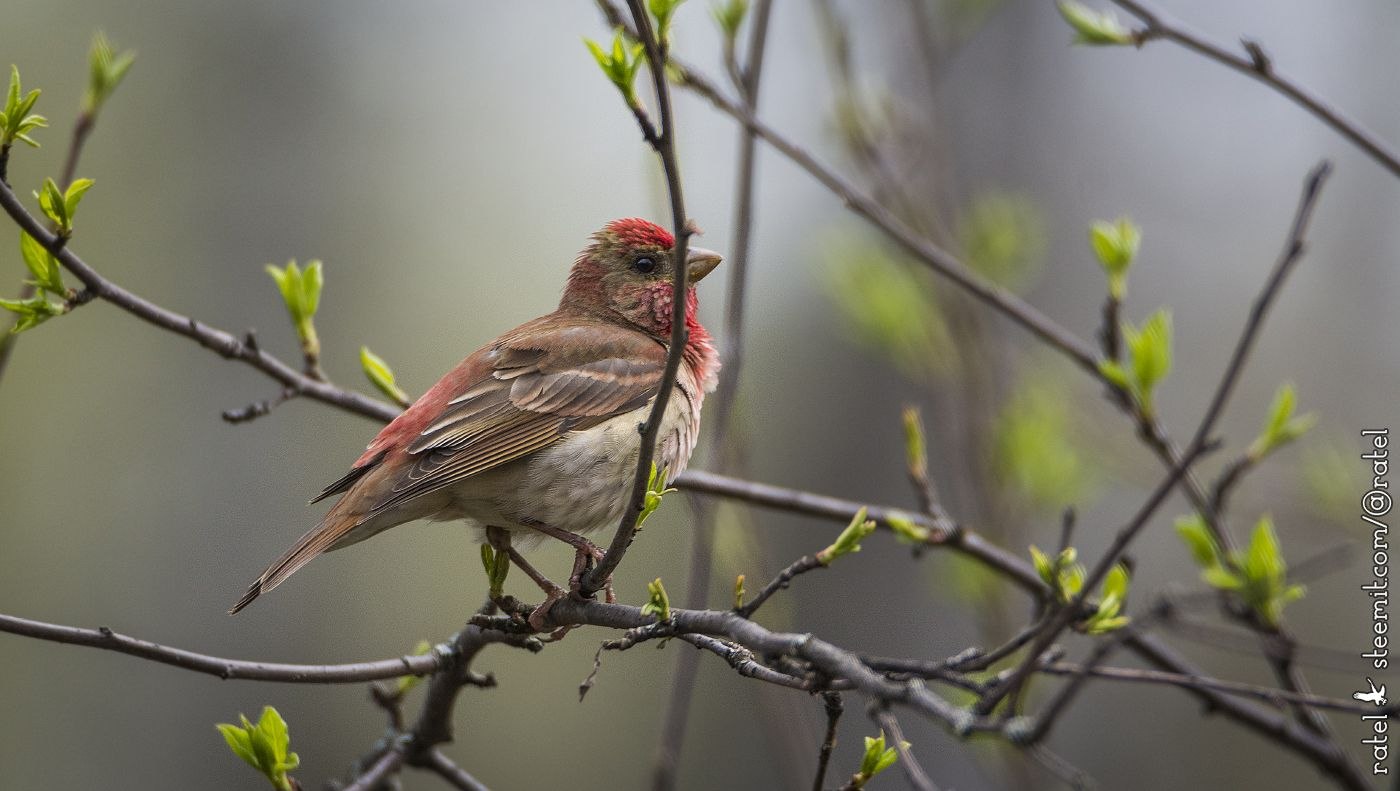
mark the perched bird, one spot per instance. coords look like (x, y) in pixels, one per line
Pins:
(536, 433)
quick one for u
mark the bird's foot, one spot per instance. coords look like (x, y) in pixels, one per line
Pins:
(540, 616)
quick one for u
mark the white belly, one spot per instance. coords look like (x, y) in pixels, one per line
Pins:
(581, 482)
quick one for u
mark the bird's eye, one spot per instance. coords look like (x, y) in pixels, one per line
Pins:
(645, 264)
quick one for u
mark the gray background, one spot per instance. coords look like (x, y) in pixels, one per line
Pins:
(447, 160)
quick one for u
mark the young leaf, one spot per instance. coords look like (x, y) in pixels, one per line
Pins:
(1095, 28)
(619, 65)
(406, 683)
(658, 603)
(1115, 245)
(264, 746)
(106, 70)
(905, 531)
(1196, 535)
(382, 376)
(730, 16)
(31, 312)
(51, 203)
(73, 195)
(849, 540)
(15, 119)
(1282, 427)
(42, 265)
(656, 490)
(663, 11)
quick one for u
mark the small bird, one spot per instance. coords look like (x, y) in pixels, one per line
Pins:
(536, 434)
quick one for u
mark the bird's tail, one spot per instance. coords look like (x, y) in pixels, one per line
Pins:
(336, 525)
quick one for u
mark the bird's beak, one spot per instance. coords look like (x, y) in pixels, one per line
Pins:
(700, 262)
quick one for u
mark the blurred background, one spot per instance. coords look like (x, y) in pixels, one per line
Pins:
(448, 159)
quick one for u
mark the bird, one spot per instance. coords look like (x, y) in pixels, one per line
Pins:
(536, 434)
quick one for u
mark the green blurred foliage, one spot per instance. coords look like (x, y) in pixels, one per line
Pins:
(1002, 236)
(1332, 479)
(891, 309)
(1035, 456)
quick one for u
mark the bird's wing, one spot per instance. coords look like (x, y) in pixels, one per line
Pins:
(505, 401)
(537, 386)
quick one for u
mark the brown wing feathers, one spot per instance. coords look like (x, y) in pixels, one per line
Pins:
(502, 403)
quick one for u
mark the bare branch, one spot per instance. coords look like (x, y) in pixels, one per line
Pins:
(1257, 65)
(594, 580)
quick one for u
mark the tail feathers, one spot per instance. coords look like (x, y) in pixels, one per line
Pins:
(319, 539)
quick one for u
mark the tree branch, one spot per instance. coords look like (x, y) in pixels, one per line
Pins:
(665, 146)
(1255, 64)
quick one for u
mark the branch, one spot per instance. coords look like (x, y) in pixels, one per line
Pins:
(665, 146)
(927, 253)
(82, 128)
(942, 533)
(235, 669)
(831, 702)
(1257, 65)
(721, 407)
(219, 341)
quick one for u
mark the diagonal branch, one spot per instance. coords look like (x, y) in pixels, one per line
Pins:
(1256, 64)
(223, 343)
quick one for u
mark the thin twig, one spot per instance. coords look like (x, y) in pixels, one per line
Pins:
(1254, 63)
(726, 454)
(455, 775)
(832, 704)
(386, 765)
(82, 128)
(913, 770)
(665, 146)
(234, 669)
(798, 567)
(223, 343)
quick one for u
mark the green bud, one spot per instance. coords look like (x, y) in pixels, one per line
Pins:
(382, 376)
(407, 683)
(656, 489)
(106, 70)
(497, 566)
(1282, 427)
(1115, 245)
(620, 65)
(31, 312)
(730, 16)
(739, 592)
(658, 603)
(849, 540)
(877, 758)
(1149, 355)
(1095, 28)
(301, 292)
(915, 454)
(1115, 592)
(663, 11)
(15, 119)
(263, 746)
(905, 530)
(48, 276)
(1196, 535)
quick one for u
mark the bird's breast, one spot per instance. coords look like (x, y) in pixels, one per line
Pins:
(581, 482)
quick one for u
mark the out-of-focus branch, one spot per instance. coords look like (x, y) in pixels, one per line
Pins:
(1255, 63)
(726, 454)
(924, 251)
